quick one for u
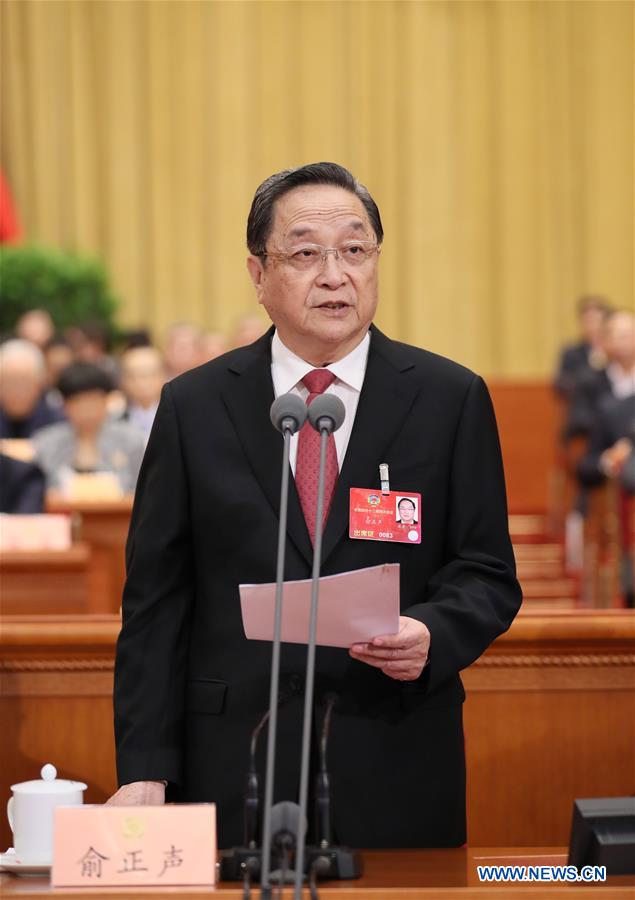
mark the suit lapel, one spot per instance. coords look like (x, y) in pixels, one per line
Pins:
(248, 402)
(386, 397)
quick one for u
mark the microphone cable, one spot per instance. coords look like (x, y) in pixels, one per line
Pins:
(319, 865)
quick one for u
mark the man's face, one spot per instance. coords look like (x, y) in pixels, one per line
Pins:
(592, 323)
(406, 511)
(619, 340)
(142, 376)
(87, 411)
(21, 387)
(322, 313)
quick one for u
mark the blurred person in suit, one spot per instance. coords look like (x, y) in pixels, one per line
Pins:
(616, 379)
(21, 486)
(189, 686)
(89, 442)
(182, 349)
(586, 354)
(23, 404)
(91, 343)
(142, 378)
(611, 440)
(36, 326)
(58, 354)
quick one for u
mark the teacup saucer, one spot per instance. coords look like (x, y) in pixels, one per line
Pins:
(11, 862)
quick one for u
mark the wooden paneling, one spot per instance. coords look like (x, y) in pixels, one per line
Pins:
(49, 582)
(104, 526)
(550, 716)
(529, 416)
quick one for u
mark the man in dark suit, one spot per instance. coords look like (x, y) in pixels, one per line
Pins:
(189, 687)
(21, 486)
(587, 355)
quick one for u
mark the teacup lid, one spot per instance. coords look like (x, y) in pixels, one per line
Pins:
(48, 784)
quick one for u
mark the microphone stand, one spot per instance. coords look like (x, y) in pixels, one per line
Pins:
(265, 883)
(293, 415)
(325, 428)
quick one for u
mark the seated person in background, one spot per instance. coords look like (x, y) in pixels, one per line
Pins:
(142, 377)
(36, 326)
(182, 349)
(21, 486)
(58, 354)
(616, 380)
(248, 329)
(23, 406)
(88, 442)
(611, 443)
(588, 353)
(91, 344)
(213, 344)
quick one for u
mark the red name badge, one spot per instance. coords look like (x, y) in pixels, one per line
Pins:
(394, 516)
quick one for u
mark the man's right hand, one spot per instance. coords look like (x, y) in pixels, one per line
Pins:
(139, 793)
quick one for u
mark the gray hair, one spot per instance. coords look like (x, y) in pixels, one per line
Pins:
(260, 218)
(19, 349)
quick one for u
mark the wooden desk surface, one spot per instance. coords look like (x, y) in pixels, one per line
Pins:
(388, 875)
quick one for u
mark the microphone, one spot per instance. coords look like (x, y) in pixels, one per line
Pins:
(323, 834)
(252, 794)
(326, 414)
(287, 828)
(288, 413)
(285, 824)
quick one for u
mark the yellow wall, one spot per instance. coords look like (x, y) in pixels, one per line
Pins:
(497, 138)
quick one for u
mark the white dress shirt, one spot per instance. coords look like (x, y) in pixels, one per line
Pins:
(288, 370)
(622, 383)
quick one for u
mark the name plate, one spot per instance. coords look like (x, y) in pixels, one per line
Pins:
(112, 846)
(47, 531)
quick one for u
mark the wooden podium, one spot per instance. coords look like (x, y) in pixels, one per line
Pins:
(388, 875)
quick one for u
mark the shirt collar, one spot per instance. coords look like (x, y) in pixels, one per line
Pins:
(288, 369)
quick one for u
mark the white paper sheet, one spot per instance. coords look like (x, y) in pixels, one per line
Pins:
(354, 607)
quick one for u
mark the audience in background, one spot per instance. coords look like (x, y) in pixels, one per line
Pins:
(213, 344)
(613, 427)
(613, 380)
(248, 329)
(21, 486)
(136, 337)
(23, 404)
(89, 442)
(58, 354)
(36, 326)
(182, 349)
(142, 377)
(587, 354)
(91, 343)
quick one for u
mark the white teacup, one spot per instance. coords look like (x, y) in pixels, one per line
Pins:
(30, 813)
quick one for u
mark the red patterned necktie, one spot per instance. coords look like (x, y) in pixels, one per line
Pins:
(307, 465)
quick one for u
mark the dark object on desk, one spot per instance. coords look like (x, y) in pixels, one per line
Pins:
(603, 834)
(21, 486)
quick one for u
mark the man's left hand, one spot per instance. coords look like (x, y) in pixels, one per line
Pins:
(401, 656)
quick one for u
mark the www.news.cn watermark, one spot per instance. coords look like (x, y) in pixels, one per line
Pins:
(542, 873)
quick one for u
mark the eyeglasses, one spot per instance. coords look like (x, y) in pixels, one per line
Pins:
(309, 257)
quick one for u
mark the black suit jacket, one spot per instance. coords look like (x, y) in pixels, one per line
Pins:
(615, 419)
(21, 486)
(190, 687)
